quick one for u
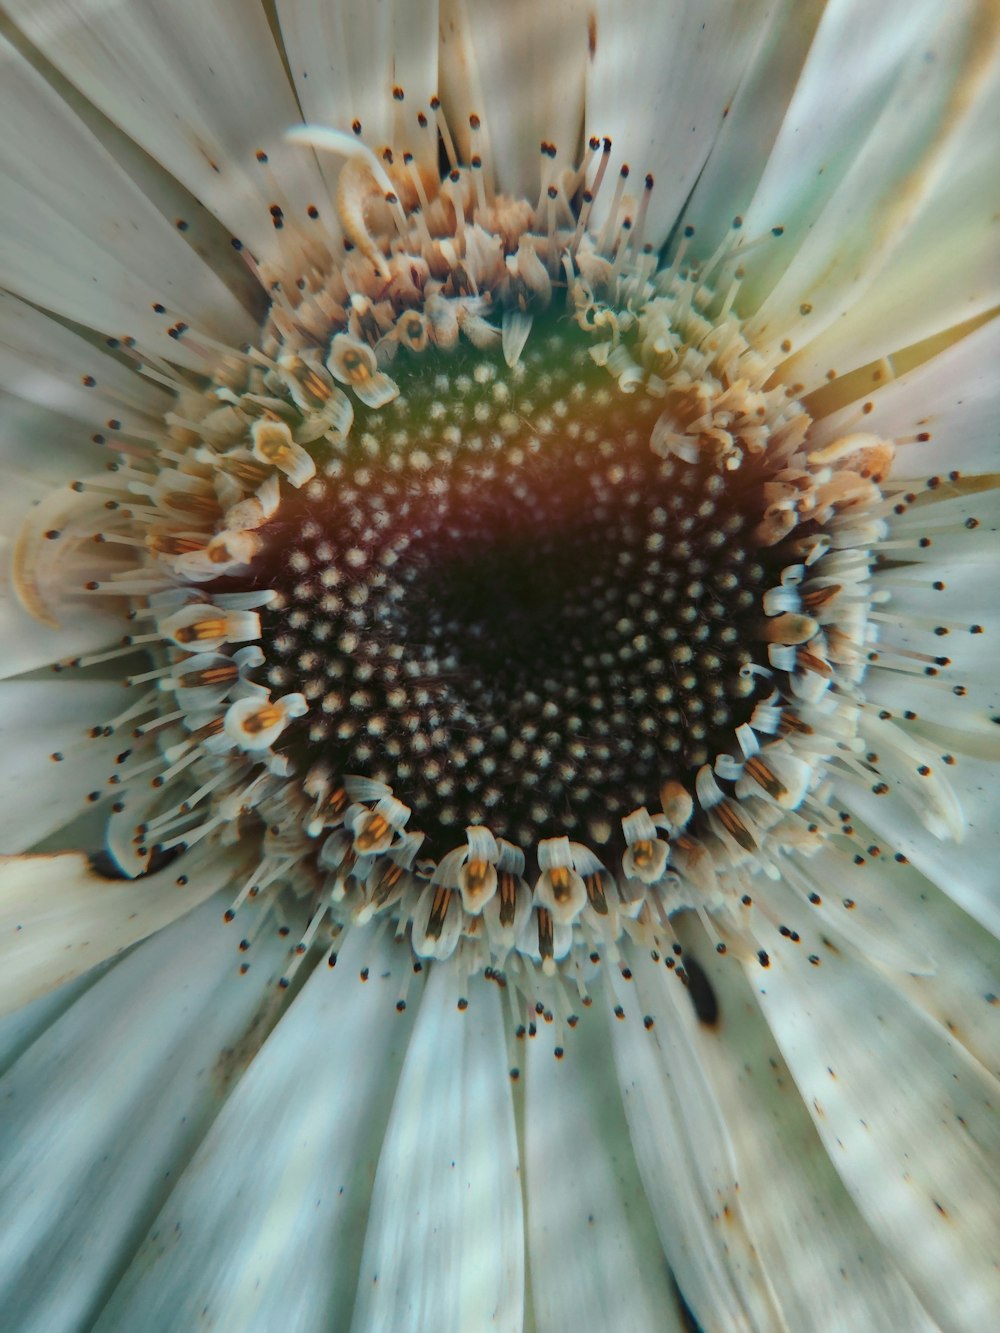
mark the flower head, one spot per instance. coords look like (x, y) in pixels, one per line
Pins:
(542, 548)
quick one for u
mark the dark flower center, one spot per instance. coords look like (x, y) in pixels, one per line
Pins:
(497, 599)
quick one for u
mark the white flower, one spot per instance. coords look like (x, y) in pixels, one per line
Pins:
(612, 528)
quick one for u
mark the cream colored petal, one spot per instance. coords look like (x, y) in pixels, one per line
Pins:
(661, 77)
(826, 1266)
(58, 917)
(80, 238)
(40, 719)
(263, 1229)
(444, 1246)
(594, 1255)
(202, 89)
(41, 450)
(111, 1100)
(850, 173)
(907, 1117)
(521, 68)
(951, 397)
(687, 1164)
(347, 60)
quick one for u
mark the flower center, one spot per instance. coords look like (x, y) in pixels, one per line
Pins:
(499, 589)
(497, 600)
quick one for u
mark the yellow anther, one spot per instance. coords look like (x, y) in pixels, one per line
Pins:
(201, 630)
(371, 834)
(266, 716)
(562, 883)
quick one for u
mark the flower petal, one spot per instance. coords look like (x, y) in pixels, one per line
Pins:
(40, 449)
(44, 718)
(445, 1240)
(686, 1162)
(952, 397)
(263, 1230)
(595, 1257)
(109, 1101)
(347, 59)
(753, 121)
(105, 262)
(944, 271)
(907, 1116)
(202, 89)
(827, 1268)
(660, 83)
(520, 67)
(849, 173)
(58, 917)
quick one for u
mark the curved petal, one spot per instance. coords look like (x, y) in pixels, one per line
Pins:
(828, 1270)
(202, 89)
(951, 397)
(263, 1229)
(376, 64)
(110, 1100)
(595, 1257)
(907, 1116)
(58, 917)
(520, 67)
(445, 1241)
(105, 262)
(660, 83)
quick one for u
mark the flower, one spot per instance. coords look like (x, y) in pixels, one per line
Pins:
(544, 869)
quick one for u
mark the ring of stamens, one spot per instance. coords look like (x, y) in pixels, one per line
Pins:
(498, 589)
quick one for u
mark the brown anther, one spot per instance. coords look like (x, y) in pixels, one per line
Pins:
(476, 874)
(562, 883)
(759, 771)
(266, 716)
(374, 830)
(217, 675)
(210, 628)
(595, 894)
(508, 898)
(818, 597)
(643, 853)
(439, 910)
(735, 827)
(546, 943)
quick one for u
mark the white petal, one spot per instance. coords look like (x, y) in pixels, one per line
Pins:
(828, 1269)
(82, 240)
(43, 718)
(42, 451)
(952, 397)
(961, 988)
(686, 1162)
(445, 1241)
(20, 1028)
(263, 1230)
(109, 1101)
(44, 363)
(520, 67)
(850, 171)
(907, 1116)
(202, 89)
(660, 81)
(966, 871)
(58, 917)
(346, 60)
(945, 270)
(595, 1257)
(755, 116)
